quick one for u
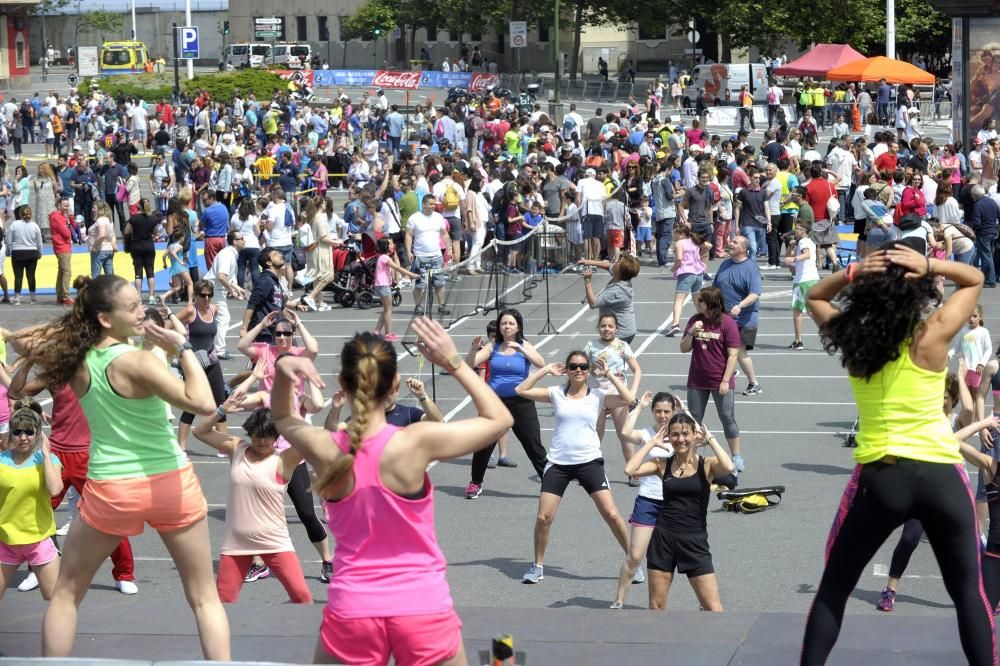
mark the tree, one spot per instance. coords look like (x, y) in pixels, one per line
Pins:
(43, 8)
(101, 21)
(374, 15)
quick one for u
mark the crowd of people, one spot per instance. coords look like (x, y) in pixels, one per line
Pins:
(248, 182)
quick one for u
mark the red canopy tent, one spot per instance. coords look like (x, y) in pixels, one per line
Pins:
(818, 61)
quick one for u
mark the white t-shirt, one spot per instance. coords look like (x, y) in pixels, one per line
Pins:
(651, 487)
(574, 437)
(805, 269)
(592, 196)
(225, 263)
(426, 232)
(280, 235)
(246, 229)
(439, 190)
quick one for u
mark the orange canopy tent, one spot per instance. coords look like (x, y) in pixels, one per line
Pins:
(880, 67)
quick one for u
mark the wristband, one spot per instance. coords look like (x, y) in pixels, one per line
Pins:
(184, 346)
(635, 403)
(220, 411)
(850, 272)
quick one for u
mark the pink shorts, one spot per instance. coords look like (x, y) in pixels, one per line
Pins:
(412, 640)
(35, 554)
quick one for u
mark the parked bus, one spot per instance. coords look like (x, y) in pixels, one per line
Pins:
(123, 57)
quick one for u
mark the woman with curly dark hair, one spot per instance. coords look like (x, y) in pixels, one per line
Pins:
(909, 464)
(135, 461)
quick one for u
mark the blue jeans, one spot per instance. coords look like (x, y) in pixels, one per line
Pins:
(102, 261)
(984, 256)
(843, 199)
(967, 258)
(757, 236)
(664, 237)
(246, 262)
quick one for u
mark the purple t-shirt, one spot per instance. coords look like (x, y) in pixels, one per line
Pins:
(710, 351)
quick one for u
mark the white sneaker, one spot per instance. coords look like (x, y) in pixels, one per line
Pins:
(220, 454)
(638, 576)
(310, 303)
(64, 530)
(28, 584)
(127, 587)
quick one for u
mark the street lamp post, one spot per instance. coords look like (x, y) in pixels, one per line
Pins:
(555, 42)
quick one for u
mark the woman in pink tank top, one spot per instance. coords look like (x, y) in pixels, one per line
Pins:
(389, 597)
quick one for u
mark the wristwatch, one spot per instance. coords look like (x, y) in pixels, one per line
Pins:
(455, 361)
(184, 346)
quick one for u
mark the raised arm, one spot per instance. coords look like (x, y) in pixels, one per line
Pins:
(637, 465)
(205, 430)
(192, 394)
(308, 341)
(628, 432)
(526, 389)
(431, 411)
(246, 342)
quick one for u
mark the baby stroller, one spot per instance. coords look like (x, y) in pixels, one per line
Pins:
(355, 279)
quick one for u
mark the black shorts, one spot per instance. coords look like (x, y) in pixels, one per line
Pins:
(748, 336)
(685, 553)
(454, 228)
(590, 474)
(859, 228)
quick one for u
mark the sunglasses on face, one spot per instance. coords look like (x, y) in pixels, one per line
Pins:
(17, 432)
(577, 366)
(283, 334)
(204, 295)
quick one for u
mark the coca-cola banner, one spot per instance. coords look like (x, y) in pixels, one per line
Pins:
(300, 76)
(398, 80)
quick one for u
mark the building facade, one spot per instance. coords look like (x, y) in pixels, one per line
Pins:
(15, 52)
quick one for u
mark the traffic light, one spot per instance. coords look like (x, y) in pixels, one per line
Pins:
(225, 27)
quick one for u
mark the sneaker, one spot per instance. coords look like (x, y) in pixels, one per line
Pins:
(473, 490)
(674, 330)
(64, 530)
(6, 299)
(418, 312)
(455, 278)
(391, 337)
(768, 267)
(405, 282)
(220, 454)
(28, 584)
(535, 574)
(638, 576)
(753, 389)
(127, 587)
(506, 461)
(310, 303)
(492, 462)
(326, 572)
(256, 572)
(323, 307)
(153, 300)
(738, 463)
(709, 277)
(797, 345)
(16, 300)
(887, 602)
(442, 310)
(616, 605)
(67, 301)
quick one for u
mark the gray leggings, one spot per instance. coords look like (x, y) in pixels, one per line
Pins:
(725, 404)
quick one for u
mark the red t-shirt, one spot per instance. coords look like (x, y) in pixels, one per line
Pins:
(886, 162)
(818, 192)
(70, 430)
(62, 240)
(710, 351)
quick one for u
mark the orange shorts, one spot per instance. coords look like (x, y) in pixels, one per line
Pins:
(121, 507)
(616, 238)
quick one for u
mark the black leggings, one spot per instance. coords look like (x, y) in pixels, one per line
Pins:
(144, 262)
(878, 499)
(302, 499)
(908, 542)
(991, 574)
(218, 383)
(24, 261)
(526, 429)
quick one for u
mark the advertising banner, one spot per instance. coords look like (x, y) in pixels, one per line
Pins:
(399, 80)
(983, 72)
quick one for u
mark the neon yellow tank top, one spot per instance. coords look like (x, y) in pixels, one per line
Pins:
(129, 437)
(901, 414)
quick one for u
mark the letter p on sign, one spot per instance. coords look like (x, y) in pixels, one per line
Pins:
(189, 42)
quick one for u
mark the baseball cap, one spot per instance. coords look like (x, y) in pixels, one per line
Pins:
(78, 148)
(590, 173)
(695, 148)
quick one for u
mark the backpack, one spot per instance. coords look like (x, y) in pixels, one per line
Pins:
(751, 500)
(121, 191)
(772, 98)
(594, 161)
(451, 198)
(289, 219)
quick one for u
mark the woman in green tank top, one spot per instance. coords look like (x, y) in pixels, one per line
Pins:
(134, 453)
(909, 465)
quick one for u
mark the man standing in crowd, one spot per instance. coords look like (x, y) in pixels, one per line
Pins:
(738, 278)
(222, 274)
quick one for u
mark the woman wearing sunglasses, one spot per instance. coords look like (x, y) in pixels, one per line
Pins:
(26, 518)
(201, 320)
(263, 354)
(575, 453)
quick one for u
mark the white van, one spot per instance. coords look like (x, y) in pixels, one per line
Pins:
(245, 54)
(299, 56)
(717, 78)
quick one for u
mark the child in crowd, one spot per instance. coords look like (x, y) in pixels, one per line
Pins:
(175, 258)
(644, 232)
(806, 275)
(385, 266)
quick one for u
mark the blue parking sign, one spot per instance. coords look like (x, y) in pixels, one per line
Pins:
(189, 42)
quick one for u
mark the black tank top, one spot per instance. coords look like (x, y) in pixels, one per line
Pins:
(201, 333)
(685, 500)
